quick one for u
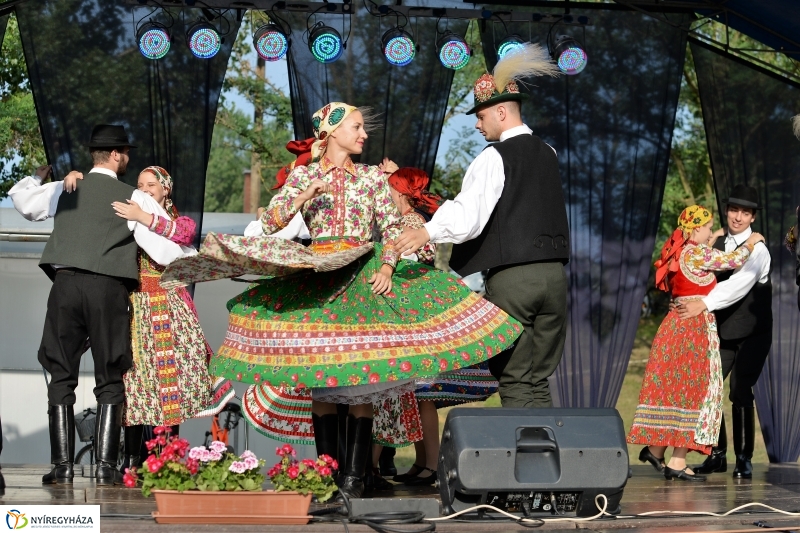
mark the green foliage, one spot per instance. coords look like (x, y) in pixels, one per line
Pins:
(21, 147)
(225, 177)
(446, 180)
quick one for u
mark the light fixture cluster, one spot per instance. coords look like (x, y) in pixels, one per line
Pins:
(155, 38)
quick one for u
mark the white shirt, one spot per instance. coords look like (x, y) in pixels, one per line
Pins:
(755, 270)
(38, 202)
(296, 228)
(464, 217)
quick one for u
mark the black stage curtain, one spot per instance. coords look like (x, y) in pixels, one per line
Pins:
(411, 100)
(3, 23)
(85, 68)
(612, 128)
(747, 114)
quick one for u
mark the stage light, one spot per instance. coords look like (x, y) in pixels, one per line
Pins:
(454, 51)
(203, 39)
(398, 47)
(510, 43)
(569, 55)
(325, 44)
(270, 42)
(153, 40)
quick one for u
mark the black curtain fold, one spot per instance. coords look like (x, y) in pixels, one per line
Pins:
(611, 126)
(747, 113)
(3, 24)
(85, 68)
(411, 101)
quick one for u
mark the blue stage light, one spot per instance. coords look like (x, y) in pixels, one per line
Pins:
(454, 51)
(204, 40)
(325, 44)
(270, 42)
(398, 47)
(569, 54)
(153, 40)
(510, 43)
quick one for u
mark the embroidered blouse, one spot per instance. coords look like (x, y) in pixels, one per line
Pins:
(360, 196)
(426, 254)
(697, 264)
(182, 230)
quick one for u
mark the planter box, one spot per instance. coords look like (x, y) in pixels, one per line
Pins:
(196, 507)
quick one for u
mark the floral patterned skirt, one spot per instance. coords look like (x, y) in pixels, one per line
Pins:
(169, 382)
(680, 403)
(327, 329)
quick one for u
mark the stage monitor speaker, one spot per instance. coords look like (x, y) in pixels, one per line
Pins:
(536, 462)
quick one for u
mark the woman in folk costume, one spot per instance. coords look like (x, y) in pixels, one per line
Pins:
(361, 328)
(169, 382)
(409, 188)
(680, 403)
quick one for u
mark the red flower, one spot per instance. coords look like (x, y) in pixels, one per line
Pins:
(443, 364)
(332, 381)
(392, 361)
(309, 462)
(293, 472)
(334, 464)
(465, 356)
(325, 471)
(405, 366)
(287, 449)
(365, 369)
(374, 377)
(320, 374)
(256, 377)
(294, 377)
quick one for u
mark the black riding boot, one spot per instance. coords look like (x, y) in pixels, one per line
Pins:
(359, 448)
(133, 446)
(106, 444)
(61, 419)
(744, 436)
(326, 434)
(716, 462)
(386, 461)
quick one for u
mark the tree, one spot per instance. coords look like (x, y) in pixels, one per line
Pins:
(241, 141)
(21, 147)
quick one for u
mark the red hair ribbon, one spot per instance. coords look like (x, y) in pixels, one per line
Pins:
(413, 182)
(666, 263)
(301, 149)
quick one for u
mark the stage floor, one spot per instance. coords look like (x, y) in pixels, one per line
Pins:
(775, 485)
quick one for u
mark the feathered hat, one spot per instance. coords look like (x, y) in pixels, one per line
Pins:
(501, 86)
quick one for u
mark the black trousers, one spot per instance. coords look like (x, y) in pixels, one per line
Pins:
(81, 305)
(744, 359)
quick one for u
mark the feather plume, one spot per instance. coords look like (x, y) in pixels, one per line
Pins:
(529, 60)
(796, 125)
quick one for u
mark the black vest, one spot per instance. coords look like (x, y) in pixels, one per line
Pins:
(529, 223)
(750, 315)
(87, 233)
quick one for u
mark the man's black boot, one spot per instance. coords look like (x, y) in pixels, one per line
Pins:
(61, 419)
(359, 448)
(106, 443)
(744, 436)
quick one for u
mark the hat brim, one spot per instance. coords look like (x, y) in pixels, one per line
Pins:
(744, 203)
(103, 144)
(505, 97)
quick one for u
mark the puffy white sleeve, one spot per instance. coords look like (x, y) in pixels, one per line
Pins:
(464, 217)
(162, 250)
(35, 201)
(733, 289)
(295, 229)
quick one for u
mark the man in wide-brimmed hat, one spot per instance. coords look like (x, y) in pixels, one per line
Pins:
(510, 219)
(91, 256)
(742, 304)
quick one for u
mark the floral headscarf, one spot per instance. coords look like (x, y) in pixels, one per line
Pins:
(166, 181)
(692, 217)
(324, 122)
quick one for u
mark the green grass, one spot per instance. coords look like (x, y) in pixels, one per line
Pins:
(626, 404)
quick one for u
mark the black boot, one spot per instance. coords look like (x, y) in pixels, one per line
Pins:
(326, 434)
(359, 448)
(386, 461)
(717, 461)
(133, 445)
(744, 436)
(106, 443)
(61, 419)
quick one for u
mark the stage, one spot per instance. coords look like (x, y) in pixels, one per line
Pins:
(775, 485)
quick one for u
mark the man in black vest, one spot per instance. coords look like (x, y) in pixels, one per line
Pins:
(510, 219)
(742, 304)
(91, 256)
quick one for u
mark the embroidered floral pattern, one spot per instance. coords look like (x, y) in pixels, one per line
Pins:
(426, 254)
(698, 262)
(181, 231)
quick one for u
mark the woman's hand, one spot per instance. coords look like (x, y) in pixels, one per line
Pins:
(382, 280)
(316, 188)
(388, 166)
(71, 181)
(132, 211)
(755, 238)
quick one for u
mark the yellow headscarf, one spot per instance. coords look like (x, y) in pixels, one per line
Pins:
(324, 122)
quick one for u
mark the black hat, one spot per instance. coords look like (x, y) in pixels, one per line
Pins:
(109, 136)
(744, 196)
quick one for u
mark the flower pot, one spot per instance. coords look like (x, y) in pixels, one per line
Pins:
(196, 507)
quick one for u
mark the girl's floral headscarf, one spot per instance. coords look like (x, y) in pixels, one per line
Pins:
(692, 217)
(324, 122)
(166, 181)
